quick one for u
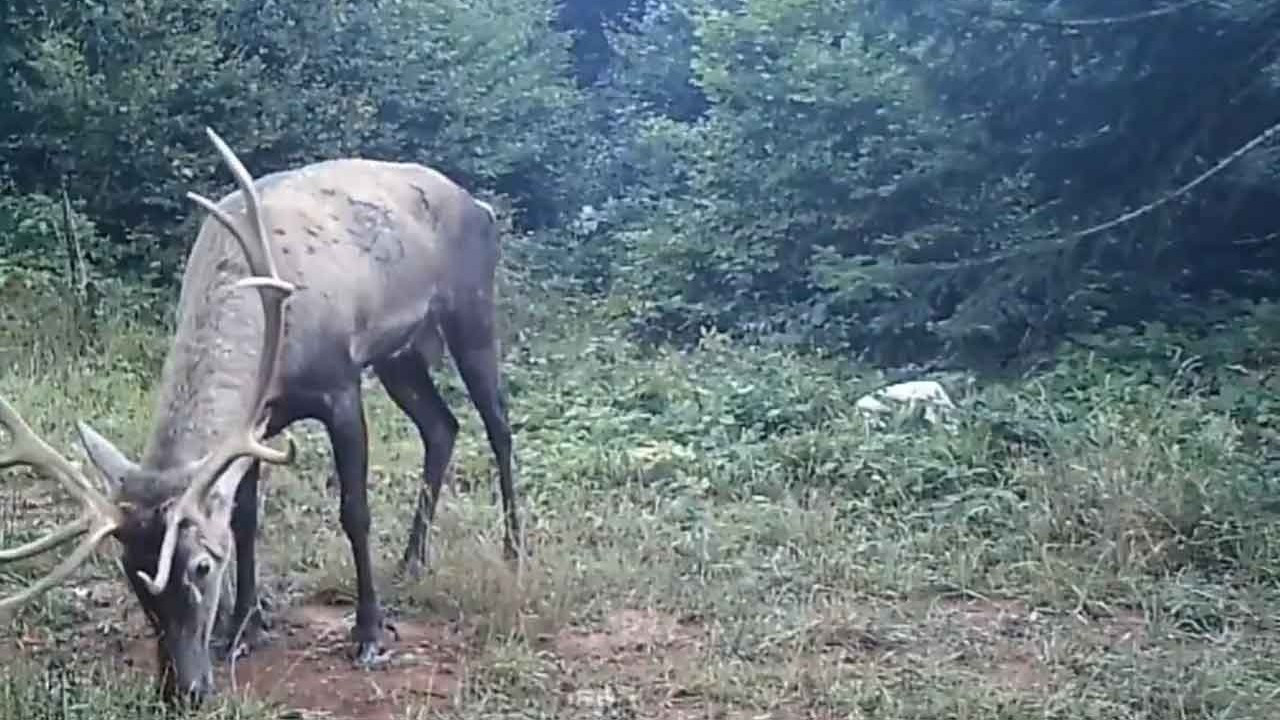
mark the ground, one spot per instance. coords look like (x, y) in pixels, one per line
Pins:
(641, 663)
(716, 534)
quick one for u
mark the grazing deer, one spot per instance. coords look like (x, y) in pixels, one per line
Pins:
(380, 264)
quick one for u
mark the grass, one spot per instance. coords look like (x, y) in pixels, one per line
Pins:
(716, 533)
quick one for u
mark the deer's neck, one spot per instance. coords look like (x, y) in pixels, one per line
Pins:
(208, 379)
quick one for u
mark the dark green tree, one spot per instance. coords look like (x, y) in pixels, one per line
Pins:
(112, 98)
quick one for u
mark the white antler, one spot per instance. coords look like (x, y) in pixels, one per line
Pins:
(97, 520)
(245, 440)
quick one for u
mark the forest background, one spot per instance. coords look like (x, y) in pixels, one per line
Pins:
(899, 182)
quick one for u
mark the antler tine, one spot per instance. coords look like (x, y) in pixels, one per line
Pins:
(63, 569)
(274, 291)
(263, 275)
(30, 449)
(98, 518)
(48, 542)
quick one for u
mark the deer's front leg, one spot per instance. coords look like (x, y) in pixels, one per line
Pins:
(347, 434)
(246, 627)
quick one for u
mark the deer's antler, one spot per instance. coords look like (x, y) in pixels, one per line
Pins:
(99, 518)
(245, 440)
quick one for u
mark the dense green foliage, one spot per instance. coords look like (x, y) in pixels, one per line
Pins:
(895, 181)
(113, 99)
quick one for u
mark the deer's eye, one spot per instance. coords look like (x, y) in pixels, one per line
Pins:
(202, 567)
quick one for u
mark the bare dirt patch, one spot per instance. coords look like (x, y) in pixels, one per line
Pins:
(637, 659)
(994, 640)
(626, 634)
(644, 663)
(307, 667)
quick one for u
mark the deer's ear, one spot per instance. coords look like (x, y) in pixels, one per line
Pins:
(112, 464)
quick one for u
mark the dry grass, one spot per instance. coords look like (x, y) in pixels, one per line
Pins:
(690, 562)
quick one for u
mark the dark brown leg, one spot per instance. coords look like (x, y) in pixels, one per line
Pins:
(478, 365)
(247, 625)
(408, 381)
(345, 423)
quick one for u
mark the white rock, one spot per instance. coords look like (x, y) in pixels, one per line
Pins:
(908, 395)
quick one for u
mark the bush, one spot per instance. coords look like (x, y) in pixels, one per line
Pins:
(1135, 475)
(57, 307)
(819, 167)
(114, 98)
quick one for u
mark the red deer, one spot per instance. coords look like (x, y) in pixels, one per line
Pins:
(356, 263)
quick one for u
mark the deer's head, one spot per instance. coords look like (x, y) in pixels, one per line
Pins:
(173, 527)
(175, 542)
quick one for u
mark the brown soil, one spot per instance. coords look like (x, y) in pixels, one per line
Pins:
(307, 667)
(644, 650)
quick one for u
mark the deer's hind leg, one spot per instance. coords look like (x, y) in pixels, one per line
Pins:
(407, 379)
(474, 347)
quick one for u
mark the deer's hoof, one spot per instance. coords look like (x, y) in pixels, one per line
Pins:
(371, 654)
(371, 649)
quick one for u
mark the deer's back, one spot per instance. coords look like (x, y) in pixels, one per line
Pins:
(374, 247)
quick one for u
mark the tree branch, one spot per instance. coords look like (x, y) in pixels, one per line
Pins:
(76, 277)
(1050, 242)
(1083, 22)
(1192, 185)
